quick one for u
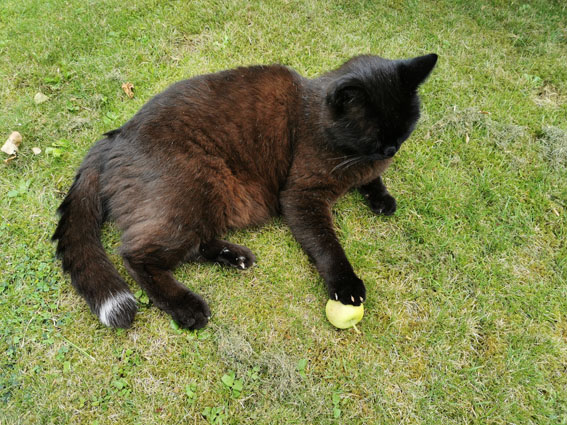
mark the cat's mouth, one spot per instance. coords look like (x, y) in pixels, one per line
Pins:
(350, 161)
(381, 157)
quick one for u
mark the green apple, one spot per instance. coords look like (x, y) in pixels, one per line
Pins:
(343, 316)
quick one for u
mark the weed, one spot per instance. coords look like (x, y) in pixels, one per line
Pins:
(235, 385)
(20, 190)
(301, 365)
(58, 148)
(191, 392)
(336, 400)
(214, 415)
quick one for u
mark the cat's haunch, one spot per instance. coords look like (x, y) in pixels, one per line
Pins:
(229, 150)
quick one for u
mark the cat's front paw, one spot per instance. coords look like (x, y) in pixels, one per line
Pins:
(189, 311)
(384, 204)
(349, 290)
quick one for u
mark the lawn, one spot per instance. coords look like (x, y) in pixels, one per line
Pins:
(466, 316)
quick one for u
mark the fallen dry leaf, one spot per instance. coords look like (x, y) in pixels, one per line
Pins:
(36, 151)
(128, 89)
(7, 160)
(11, 145)
(40, 98)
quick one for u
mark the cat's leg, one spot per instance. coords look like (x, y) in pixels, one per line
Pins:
(380, 201)
(150, 259)
(311, 223)
(227, 253)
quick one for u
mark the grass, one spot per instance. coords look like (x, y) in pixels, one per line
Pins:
(466, 319)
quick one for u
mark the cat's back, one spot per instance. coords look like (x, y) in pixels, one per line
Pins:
(226, 136)
(241, 96)
(238, 114)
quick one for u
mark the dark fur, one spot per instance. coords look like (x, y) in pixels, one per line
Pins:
(229, 150)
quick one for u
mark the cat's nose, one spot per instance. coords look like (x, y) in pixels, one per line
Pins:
(390, 151)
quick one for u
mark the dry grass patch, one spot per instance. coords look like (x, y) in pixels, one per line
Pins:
(554, 143)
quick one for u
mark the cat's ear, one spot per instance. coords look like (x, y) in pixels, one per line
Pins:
(344, 92)
(414, 71)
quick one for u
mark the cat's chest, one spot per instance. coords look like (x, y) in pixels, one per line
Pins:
(324, 177)
(365, 173)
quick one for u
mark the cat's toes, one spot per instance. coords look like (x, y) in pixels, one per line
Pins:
(237, 256)
(385, 204)
(190, 311)
(348, 291)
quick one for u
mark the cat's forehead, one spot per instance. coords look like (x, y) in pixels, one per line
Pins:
(381, 80)
(380, 77)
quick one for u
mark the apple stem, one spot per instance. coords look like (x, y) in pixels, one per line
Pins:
(356, 329)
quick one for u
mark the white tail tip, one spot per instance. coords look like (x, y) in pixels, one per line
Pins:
(118, 311)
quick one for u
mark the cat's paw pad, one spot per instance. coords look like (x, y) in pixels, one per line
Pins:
(237, 256)
(190, 311)
(348, 291)
(383, 204)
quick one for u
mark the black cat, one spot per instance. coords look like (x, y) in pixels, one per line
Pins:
(229, 150)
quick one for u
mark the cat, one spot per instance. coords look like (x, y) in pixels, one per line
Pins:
(229, 150)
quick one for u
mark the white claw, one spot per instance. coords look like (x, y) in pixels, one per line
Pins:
(352, 298)
(336, 296)
(361, 299)
(242, 266)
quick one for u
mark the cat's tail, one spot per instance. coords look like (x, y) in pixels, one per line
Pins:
(82, 214)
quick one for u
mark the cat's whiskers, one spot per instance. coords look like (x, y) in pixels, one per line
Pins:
(348, 162)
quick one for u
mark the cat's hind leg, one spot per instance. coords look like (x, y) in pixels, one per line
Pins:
(227, 253)
(150, 258)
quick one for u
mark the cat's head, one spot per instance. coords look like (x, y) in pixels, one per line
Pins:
(373, 105)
